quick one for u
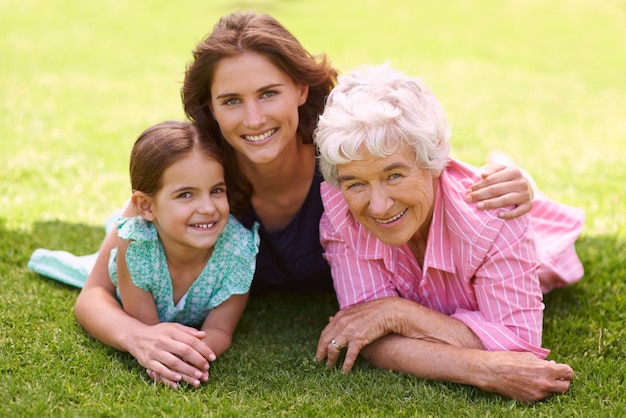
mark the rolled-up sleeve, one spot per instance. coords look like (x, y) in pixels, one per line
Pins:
(510, 306)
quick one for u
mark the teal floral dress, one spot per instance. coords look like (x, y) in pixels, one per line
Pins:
(228, 272)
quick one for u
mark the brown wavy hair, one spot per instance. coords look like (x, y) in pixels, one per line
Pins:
(235, 34)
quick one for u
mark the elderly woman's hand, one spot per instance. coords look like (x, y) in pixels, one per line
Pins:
(355, 328)
(502, 186)
(524, 377)
(360, 325)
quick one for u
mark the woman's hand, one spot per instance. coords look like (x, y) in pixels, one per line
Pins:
(524, 377)
(366, 322)
(172, 353)
(502, 186)
(355, 328)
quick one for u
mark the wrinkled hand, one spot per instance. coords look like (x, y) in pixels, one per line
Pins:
(502, 186)
(524, 377)
(172, 353)
(355, 328)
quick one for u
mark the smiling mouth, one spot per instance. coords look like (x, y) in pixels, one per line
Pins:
(203, 226)
(259, 138)
(393, 218)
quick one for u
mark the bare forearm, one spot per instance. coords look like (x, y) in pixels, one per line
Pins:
(217, 340)
(221, 322)
(425, 359)
(97, 308)
(416, 321)
(516, 375)
(103, 318)
(362, 324)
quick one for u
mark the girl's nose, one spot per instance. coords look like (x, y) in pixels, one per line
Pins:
(207, 205)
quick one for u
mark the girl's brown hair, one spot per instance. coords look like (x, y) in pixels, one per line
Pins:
(160, 146)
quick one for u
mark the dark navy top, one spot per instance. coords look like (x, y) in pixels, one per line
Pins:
(291, 258)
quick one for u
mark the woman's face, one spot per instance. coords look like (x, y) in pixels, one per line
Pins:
(256, 106)
(390, 196)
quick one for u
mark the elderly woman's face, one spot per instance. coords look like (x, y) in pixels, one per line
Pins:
(390, 196)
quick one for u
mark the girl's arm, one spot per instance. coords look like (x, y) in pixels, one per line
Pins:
(175, 351)
(221, 322)
(136, 302)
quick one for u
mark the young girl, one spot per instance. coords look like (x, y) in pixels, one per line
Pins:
(185, 259)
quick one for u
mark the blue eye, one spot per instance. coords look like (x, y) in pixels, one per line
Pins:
(185, 195)
(270, 93)
(231, 102)
(352, 186)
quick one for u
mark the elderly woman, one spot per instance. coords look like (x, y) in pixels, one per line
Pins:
(428, 284)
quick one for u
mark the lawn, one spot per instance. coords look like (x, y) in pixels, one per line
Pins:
(541, 80)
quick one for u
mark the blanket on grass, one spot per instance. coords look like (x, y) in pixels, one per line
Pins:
(66, 267)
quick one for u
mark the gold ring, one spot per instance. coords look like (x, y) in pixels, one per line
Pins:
(337, 346)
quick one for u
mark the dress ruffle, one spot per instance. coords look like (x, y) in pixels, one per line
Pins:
(229, 271)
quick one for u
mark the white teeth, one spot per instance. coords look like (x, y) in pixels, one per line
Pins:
(257, 138)
(386, 221)
(203, 226)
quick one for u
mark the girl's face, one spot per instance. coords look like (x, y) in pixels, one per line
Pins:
(256, 106)
(389, 196)
(190, 210)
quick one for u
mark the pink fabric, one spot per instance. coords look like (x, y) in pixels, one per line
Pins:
(478, 268)
(556, 227)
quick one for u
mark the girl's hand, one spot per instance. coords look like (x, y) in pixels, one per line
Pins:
(502, 186)
(172, 353)
(155, 377)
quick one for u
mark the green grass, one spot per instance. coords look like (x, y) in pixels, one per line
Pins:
(541, 80)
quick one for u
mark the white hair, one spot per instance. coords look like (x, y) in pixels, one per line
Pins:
(380, 109)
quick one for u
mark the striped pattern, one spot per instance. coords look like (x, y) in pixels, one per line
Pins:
(557, 228)
(478, 268)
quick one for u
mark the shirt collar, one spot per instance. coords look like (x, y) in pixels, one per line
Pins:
(439, 254)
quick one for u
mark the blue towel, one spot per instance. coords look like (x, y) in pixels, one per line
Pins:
(66, 267)
(62, 266)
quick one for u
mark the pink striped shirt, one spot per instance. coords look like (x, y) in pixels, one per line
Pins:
(478, 268)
